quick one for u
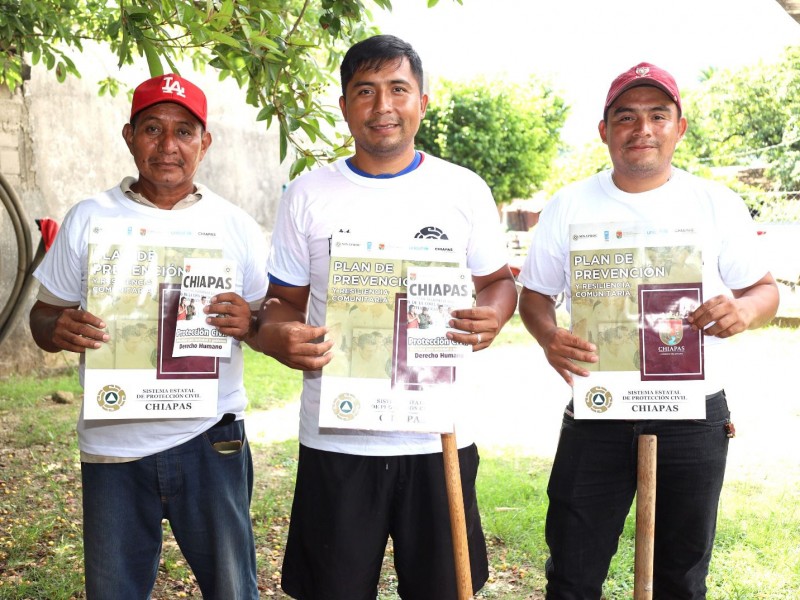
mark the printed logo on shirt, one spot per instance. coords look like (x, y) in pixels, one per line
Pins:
(431, 233)
(330, 240)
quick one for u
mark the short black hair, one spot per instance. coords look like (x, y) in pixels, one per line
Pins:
(373, 53)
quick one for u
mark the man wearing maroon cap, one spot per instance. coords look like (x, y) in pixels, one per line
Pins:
(195, 472)
(593, 479)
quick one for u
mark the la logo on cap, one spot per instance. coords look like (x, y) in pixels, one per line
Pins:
(170, 88)
(173, 87)
(642, 71)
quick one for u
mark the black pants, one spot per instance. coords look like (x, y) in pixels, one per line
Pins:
(592, 485)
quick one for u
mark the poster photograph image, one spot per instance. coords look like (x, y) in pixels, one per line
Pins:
(368, 384)
(203, 278)
(134, 286)
(432, 293)
(632, 287)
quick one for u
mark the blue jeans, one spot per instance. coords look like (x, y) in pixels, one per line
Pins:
(203, 492)
(592, 485)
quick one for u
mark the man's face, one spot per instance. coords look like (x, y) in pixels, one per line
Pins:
(641, 131)
(167, 145)
(383, 110)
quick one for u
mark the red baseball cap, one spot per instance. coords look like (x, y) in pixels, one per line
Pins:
(643, 74)
(170, 88)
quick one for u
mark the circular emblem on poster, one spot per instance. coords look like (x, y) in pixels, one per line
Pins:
(345, 406)
(598, 399)
(111, 398)
(670, 330)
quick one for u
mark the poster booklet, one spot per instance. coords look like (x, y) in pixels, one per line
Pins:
(633, 286)
(431, 294)
(370, 384)
(202, 279)
(134, 285)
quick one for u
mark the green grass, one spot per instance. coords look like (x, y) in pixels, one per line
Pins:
(269, 384)
(513, 501)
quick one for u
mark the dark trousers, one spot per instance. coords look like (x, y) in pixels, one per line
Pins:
(591, 489)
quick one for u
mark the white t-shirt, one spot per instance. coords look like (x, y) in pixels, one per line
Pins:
(732, 254)
(64, 272)
(434, 200)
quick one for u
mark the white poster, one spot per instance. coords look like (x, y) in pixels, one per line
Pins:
(633, 286)
(134, 285)
(370, 384)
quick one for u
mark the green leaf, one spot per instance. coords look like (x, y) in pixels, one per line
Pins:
(136, 10)
(284, 141)
(311, 129)
(298, 166)
(224, 39)
(265, 113)
(185, 12)
(267, 43)
(153, 60)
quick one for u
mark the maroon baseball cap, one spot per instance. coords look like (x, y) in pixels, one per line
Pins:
(170, 88)
(643, 74)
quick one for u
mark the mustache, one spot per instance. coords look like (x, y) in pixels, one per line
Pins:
(178, 163)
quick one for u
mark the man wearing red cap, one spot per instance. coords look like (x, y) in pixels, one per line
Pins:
(195, 472)
(593, 479)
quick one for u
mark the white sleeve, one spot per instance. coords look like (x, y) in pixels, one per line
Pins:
(255, 274)
(544, 269)
(742, 260)
(486, 249)
(289, 257)
(62, 269)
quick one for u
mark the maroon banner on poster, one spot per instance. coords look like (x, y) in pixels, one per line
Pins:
(670, 349)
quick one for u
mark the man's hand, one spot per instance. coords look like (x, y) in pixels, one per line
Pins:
(57, 328)
(496, 300)
(296, 344)
(561, 348)
(230, 314)
(481, 324)
(749, 308)
(723, 315)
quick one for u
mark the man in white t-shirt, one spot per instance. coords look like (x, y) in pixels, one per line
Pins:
(195, 472)
(593, 479)
(356, 488)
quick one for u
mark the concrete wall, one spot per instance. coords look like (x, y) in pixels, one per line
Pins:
(61, 142)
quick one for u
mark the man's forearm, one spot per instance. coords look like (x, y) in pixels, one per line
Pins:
(502, 296)
(278, 310)
(761, 301)
(42, 320)
(538, 314)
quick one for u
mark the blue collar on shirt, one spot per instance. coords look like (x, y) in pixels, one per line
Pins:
(414, 164)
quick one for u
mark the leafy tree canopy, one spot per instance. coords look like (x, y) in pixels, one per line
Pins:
(578, 163)
(508, 133)
(283, 53)
(748, 117)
